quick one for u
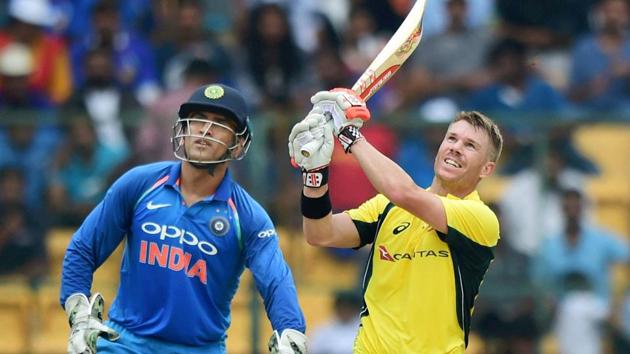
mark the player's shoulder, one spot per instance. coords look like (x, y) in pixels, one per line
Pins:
(244, 202)
(161, 168)
(146, 174)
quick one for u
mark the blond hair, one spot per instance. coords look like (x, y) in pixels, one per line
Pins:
(483, 122)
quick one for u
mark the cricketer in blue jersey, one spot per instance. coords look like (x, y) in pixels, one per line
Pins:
(189, 231)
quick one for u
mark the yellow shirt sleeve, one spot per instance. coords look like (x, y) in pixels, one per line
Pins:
(370, 210)
(473, 219)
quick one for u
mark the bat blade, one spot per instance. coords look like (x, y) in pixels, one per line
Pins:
(393, 55)
(397, 50)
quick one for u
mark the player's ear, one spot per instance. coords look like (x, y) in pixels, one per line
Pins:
(487, 169)
(240, 146)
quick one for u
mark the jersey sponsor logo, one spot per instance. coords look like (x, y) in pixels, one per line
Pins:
(409, 256)
(400, 228)
(267, 233)
(219, 225)
(184, 237)
(152, 206)
(385, 254)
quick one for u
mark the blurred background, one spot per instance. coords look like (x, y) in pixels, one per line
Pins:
(89, 88)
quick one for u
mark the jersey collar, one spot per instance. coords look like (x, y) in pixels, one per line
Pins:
(474, 195)
(222, 193)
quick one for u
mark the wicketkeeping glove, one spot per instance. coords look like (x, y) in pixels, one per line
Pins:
(316, 131)
(86, 322)
(348, 112)
(290, 342)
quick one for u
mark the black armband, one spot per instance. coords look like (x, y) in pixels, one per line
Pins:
(316, 208)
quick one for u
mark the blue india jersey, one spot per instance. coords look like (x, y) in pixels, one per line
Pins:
(181, 264)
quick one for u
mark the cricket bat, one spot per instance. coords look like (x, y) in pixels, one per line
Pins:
(383, 67)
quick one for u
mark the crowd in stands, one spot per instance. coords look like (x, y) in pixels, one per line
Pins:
(89, 88)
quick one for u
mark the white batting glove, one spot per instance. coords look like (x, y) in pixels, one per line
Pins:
(86, 321)
(348, 112)
(289, 342)
(316, 132)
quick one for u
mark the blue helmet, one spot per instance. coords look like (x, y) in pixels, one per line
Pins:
(216, 98)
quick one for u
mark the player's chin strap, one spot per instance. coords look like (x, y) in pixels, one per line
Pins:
(289, 342)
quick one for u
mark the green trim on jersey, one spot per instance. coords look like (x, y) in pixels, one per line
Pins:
(470, 262)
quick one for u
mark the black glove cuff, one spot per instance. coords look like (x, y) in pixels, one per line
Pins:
(348, 136)
(316, 208)
(315, 178)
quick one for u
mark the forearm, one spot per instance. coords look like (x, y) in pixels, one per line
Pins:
(384, 174)
(331, 230)
(317, 231)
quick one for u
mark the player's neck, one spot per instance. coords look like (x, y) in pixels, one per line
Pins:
(197, 183)
(442, 188)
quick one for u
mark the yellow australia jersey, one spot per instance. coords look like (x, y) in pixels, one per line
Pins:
(420, 285)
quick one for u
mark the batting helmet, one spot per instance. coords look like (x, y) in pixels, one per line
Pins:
(216, 98)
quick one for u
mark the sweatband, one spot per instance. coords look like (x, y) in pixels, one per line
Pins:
(316, 208)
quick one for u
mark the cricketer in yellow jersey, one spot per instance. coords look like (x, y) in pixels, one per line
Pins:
(430, 247)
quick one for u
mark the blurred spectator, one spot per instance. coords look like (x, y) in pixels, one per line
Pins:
(580, 317)
(11, 186)
(303, 17)
(13, 191)
(105, 99)
(338, 334)
(439, 69)
(136, 15)
(516, 89)
(480, 13)
(22, 247)
(361, 40)
(16, 65)
(189, 40)
(134, 60)
(518, 92)
(28, 20)
(273, 63)
(505, 312)
(623, 338)
(531, 203)
(389, 14)
(26, 135)
(156, 129)
(581, 247)
(361, 44)
(544, 24)
(27, 147)
(81, 173)
(601, 61)
(331, 70)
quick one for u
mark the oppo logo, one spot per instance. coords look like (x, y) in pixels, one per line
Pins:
(185, 237)
(267, 233)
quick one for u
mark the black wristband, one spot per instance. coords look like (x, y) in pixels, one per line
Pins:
(315, 178)
(316, 208)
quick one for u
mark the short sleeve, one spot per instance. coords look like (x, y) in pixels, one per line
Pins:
(473, 219)
(366, 217)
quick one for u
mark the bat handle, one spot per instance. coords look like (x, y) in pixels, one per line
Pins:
(308, 140)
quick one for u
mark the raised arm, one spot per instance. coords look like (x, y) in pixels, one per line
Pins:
(384, 174)
(321, 227)
(332, 230)
(394, 183)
